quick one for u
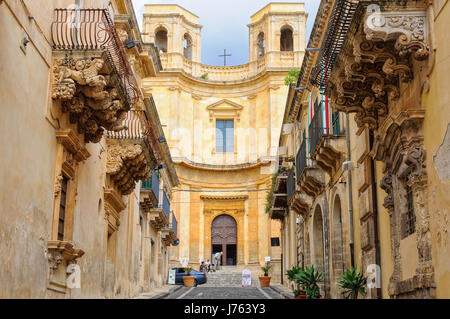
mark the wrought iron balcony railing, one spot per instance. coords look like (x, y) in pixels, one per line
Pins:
(174, 224)
(317, 129)
(300, 160)
(166, 206)
(290, 185)
(152, 184)
(94, 30)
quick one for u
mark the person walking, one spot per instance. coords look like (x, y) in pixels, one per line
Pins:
(208, 266)
(217, 260)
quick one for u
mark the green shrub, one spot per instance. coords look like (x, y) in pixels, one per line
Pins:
(308, 280)
(352, 284)
(292, 76)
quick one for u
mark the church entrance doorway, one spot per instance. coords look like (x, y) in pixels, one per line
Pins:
(224, 239)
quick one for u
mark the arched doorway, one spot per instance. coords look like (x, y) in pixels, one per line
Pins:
(337, 240)
(224, 238)
(337, 246)
(318, 239)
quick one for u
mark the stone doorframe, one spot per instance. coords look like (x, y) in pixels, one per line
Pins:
(214, 206)
(399, 144)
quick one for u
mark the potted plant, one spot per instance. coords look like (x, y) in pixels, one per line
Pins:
(352, 284)
(264, 281)
(188, 280)
(298, 293)
(309, 279)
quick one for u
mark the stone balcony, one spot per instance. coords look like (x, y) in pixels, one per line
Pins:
(279, 197)
(277, 213)
(158, 218)
(329, 153)
(169, 233)
(328, 143)
(310, 180)
(92, 78)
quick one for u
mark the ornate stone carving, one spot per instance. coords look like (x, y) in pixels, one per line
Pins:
(399, 143)
(127, 164)
(58, 185)
(90, 98)
(75, 148)
(368, 74)
(58, 251)
(386, 185)
(408, 29)
(54, 258)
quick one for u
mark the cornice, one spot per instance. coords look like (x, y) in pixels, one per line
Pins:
(73, 144)
(211, 167)
(114, 201)
(224, 198)
(207, 90)
(173, 15)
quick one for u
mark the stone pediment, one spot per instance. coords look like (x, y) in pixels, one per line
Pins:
(225, 109)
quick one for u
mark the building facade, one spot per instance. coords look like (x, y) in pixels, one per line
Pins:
(222, 126)
(367, 123)
(80, 137)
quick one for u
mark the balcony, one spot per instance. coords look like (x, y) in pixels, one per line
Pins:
(297, 200)
(170, 233)
(150, 192)
(327, 150)
(290, 185)
(278, 204)
(166, 206)
(92, 77)
(310, 180)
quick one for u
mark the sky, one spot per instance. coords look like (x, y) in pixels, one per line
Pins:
(225, 24)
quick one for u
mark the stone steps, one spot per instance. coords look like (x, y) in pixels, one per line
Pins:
(228, 277)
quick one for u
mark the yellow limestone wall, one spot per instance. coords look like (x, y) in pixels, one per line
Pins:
(436, 130)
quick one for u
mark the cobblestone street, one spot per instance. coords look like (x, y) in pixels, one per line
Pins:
(225, 293)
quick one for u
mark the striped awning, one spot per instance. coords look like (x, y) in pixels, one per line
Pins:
(133, 123)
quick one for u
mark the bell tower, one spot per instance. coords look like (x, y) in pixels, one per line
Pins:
(175, 31)
(277, 34)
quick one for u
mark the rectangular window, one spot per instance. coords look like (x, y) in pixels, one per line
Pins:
(275, 241)
(410, 225)
(62, 208)
(224, 136)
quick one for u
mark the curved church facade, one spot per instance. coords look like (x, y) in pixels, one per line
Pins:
(222, 126)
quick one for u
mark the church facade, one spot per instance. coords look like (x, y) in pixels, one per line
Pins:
(222, 126)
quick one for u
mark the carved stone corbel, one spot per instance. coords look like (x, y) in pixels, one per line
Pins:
(91, 94)
(407, 28)
(126, 164)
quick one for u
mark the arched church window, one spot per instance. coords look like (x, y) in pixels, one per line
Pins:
(187, 46)
(261, 43)
(286, 39)
(161, 40)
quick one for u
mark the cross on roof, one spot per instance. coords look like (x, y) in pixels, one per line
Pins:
(224, 57)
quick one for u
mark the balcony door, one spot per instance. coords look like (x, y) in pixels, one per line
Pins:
(224, 239)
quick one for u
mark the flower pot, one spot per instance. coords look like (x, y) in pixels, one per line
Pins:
(301, 296)
(189, 281)
(264, 281)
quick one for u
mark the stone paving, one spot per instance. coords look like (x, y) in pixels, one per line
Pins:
(226, 284)
(201, 292)
(228, 277)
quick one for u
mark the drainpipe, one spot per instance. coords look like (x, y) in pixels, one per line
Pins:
(283, 244)
(375, 214)
(350, 194)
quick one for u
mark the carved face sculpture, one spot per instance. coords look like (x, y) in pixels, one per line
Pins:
(80, 65)
(98, 64)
